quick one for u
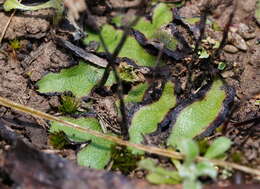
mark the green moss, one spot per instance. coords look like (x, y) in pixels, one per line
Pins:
(124, 160)
(15, 44)
(69, 104)
(58, 140)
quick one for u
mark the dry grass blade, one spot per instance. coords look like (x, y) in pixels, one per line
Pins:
(148, 149)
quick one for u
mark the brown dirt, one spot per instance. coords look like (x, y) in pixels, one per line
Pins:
(39, 55)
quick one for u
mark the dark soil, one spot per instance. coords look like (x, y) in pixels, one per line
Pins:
(21, 69)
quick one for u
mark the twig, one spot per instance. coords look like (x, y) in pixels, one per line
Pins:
(148, 149)
(225, 33)
(6, 26)
(111, 63)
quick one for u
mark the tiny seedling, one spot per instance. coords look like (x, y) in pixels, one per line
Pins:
(189, 171)
(69, 104)
(15, 44)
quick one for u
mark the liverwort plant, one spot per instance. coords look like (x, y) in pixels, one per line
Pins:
(56, 4)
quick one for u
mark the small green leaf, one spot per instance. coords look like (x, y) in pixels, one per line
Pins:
(131, 48)
(79, 80)
(96, 154)
(15, 4)
(159, 175)
(218, 147)
(202, 115)
(156, 178)
(206, 169)
(189, 148)
(203, 53)
(221, 65)
(162, 15)
(146, 119)
(191, 184)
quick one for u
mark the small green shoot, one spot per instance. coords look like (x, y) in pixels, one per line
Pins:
(203, 53)
(218, 147)
(128, 73)
(15, 44)
(58, 140)
(159, 175)
(69, 104)
(222, 65)
(189, 171)
(124, 160)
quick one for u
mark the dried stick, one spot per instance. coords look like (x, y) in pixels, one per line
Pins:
(148, 149)
(6, 26)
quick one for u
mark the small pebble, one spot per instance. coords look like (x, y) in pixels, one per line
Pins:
(246, 32)
(230, 49)
(227, 74)
(236, 40)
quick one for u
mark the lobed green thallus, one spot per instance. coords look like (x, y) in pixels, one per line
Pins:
(56, 4)
(196, 118)
(97, 154)
(199, 116)
(146, 119)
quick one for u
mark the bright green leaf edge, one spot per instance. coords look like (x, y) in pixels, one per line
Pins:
(79, 79)
(195, 118)
(131, 48)
(146, 119)
(218, 147)
(162, 15)
(95, 155)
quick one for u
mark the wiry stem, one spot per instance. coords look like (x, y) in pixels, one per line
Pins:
(148, 149)
(111, 63)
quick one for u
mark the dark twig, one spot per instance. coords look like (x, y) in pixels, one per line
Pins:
(202, 26)
(225, 33)
(111, 64)
(159, 56)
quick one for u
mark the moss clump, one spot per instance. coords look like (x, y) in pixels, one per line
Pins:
(58, 140)
(69, 104)
(124, 160)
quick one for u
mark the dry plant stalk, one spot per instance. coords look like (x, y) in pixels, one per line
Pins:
(117, 140)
